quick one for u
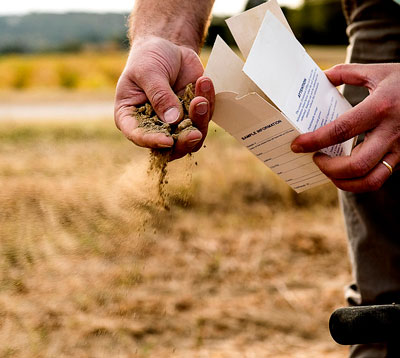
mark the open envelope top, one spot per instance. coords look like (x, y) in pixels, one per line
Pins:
(244, 111)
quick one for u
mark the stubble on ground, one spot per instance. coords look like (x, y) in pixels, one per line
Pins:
(90, 266)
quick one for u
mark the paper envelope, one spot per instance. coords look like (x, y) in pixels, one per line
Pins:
(251, 114)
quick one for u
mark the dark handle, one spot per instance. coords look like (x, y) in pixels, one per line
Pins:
(365, 324)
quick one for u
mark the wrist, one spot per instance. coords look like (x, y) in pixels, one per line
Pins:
(183, 23)
(180, 32)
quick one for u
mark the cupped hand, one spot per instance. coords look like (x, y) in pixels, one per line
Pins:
(156, 71)
(378, 116)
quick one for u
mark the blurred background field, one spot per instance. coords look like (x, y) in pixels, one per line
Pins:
(91, 71)
(91, 266)
(88, 71)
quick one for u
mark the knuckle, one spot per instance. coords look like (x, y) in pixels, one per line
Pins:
(396, 131)
(341, 131)
(116, 122)
(384, 107)
(360, 167)
(392, 134)
(339, 67)
(159, 98)
(374, 183)
(118, 115)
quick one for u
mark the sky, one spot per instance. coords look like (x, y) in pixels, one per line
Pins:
(221, 7)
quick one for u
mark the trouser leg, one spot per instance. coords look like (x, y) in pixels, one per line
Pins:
(372, 222)
(373, 226)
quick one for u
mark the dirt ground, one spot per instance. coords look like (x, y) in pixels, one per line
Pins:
(91, 267)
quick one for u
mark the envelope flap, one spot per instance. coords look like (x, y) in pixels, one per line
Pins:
(224, 67)
(244, 27)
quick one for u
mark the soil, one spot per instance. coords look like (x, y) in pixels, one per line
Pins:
(150, 122)
(159, 158)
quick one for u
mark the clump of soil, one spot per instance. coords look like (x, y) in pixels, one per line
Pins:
(151, 123)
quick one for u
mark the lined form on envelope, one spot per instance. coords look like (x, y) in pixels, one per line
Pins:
(277, 94)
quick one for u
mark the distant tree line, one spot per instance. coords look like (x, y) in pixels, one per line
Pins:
(319, 22)
(316, 22)
(70, 32)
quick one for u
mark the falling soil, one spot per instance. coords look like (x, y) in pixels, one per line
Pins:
(151, 123)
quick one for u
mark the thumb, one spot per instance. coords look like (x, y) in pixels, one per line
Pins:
(163, 99)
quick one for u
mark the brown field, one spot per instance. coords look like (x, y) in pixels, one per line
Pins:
(240, 266)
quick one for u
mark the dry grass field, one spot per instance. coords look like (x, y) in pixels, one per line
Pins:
(88, 70)
(94, 71)
(91, 266)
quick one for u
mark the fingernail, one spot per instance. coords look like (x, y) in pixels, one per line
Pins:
(205, 86)
(202, 108)
(171, 115)
(297, 148)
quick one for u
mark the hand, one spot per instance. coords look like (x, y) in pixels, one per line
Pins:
(378, 116)
(157, 69)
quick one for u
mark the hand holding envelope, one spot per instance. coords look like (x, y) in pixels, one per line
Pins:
(373, 160)
(276, 95)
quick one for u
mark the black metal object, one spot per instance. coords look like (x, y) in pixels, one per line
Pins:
(365, 324)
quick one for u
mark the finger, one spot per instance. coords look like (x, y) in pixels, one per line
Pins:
(371, 182)
(351, 74)
(191, 69)
(161, 96)
(391, 162)
(129, 127)
(199, 113)
(187, 142)
(357, 120)
(205, 88)
(126, 98)
(191, 141)
(361, 161)
(150, 139)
